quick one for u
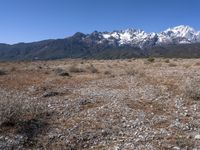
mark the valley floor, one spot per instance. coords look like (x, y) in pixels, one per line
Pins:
(101, 104)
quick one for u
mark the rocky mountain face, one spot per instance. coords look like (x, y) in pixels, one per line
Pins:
(180, 41)
(139, 38)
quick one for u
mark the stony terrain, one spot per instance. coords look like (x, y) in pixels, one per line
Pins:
(111, 105)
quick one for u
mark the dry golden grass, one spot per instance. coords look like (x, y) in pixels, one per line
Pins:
(98, 94)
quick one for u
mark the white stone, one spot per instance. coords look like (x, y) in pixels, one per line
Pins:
(176, 148)
(197, 137)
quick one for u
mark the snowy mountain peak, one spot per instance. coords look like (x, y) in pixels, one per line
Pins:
(185, 34)
(138, 38)
(181, 28)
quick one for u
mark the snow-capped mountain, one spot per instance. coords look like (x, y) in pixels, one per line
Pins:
(180, 35)
(181, 41)
(139, 38)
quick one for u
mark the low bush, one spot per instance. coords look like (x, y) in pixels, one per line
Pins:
(76, 69)
(107, 72)
(92, 69)
(192, 88)
(197, 64)
(172, 65)
(151, 59)
(13, 111)
(132, 71)
(167, 61)
(2, 72)
(61, 72)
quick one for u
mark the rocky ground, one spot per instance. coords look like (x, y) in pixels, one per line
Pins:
(112, 105)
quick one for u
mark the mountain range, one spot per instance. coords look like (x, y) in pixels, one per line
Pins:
(181, 41)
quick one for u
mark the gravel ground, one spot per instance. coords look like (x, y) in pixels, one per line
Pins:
(137, 105)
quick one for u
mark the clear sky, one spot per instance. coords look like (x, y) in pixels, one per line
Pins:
(33, 20)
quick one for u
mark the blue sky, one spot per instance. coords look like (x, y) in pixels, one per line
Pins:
(33, 20)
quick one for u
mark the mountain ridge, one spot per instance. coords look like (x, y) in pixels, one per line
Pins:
(139, 38)
(110, 45)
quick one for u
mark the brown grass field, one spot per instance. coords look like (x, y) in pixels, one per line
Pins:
(100, 104)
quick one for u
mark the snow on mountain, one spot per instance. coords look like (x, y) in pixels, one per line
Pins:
(129, 37)
(139, 38)
(185, 34)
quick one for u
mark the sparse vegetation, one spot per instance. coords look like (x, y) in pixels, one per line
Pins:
(102, 102)
(172, 65)
(92, 69)
(151, 59)
(131, 71)
(13, 69)
(187, 66)
(13, 111)
(2, 72)
(76, 69)
(184, 142)
(192, 88)
(167, 61)
(197, 64)
(61, 72)
(107, 72)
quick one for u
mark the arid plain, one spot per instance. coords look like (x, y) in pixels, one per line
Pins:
(100, 104)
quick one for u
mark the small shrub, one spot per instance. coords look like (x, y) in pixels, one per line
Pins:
(167, 61)
(76, 69)
(12, 111)
(2, 72)
(132, 72)
(93, 69)
(187, 66)
(151, 59)
(39, 67)
(157, 65)
(64, 74)
(107, 72)
(61, 72)
(136, 72)
(58, 70)
(13, 69)
(172, 65)
(175, 59)
(183, 142)
(192, 89)
(197, 64)
(112, 75)
(109, 66)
